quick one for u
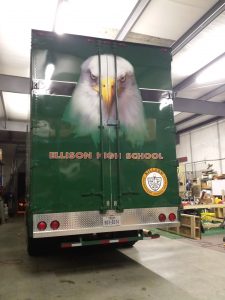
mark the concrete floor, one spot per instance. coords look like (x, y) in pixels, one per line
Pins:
(153, 269)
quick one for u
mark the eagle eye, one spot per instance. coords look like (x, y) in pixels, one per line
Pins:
(93, 77)
(123, 78)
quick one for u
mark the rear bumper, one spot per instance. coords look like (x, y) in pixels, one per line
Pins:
(75, 223)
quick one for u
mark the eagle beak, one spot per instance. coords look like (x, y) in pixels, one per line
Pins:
(108, 90)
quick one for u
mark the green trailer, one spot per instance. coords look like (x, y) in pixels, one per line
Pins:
(101, 149)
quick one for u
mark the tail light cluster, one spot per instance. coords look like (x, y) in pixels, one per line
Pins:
(43, 225)
(54, 225)
(172, 217)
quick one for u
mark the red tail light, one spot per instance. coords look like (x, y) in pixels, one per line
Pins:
(54, 225)
(41, 226)
(172, 217)
(162, 218)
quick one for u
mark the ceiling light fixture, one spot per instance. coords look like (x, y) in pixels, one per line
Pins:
(92, 18)
(17, 106)
(61, 17)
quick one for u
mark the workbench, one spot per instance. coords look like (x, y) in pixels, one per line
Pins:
(202, 206)
(218, 208)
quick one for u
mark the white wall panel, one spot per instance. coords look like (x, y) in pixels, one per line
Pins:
(205, 143)
(203, 146)
(183, 149)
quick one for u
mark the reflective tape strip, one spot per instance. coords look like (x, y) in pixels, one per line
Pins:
(114, 241)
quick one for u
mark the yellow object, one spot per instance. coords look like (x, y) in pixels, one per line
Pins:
(207, 216)
(217, 200)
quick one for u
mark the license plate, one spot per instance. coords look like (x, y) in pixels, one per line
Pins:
(111, 221)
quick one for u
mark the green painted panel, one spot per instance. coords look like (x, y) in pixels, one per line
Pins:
(60, 184)
(161, 140)
(83, 154)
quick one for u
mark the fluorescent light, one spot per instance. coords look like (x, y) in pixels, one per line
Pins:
(61, 17)
(17, 106)
(94, 18)
(205, 47)
(214, 73)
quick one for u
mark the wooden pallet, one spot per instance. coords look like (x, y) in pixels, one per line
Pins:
(220, 212)
(189, 227)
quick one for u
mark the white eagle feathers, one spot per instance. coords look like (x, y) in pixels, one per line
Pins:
(103, 78)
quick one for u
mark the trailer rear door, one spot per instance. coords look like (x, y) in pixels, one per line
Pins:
(95, 145)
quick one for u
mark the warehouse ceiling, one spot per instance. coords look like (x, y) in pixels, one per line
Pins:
(194, 29)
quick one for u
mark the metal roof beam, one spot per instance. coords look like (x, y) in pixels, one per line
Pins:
(204, 21)
(199, 107)
(213, 93)
(187, 119)
(132, 19)
(207, 96)
(215, 119)
(189, 80)
(14, 126)
(14, 84)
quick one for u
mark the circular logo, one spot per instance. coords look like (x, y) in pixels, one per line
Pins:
(154, 182)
